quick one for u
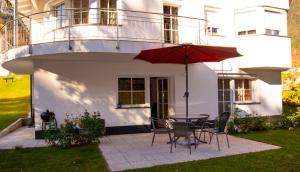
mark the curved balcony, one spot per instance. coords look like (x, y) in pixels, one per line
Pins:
(96, 30)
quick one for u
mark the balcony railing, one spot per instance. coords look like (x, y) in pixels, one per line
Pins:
(106, 24)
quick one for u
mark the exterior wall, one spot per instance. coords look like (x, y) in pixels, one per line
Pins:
(269, 92)
(71, 87)
(85, 76)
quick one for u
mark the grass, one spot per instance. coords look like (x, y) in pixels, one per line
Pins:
(14, 99)
(89, 158)
(85, 158)
(284, 159)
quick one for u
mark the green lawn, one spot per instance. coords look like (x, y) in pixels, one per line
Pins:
(85, 158)
(14, 99)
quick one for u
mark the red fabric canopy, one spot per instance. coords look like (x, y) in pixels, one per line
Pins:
(195, 53)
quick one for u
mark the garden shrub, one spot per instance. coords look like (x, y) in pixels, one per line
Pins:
(86, 129)
(245, 124)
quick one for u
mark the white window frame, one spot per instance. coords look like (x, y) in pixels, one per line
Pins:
(108, 10)
(60, 20)
(81, 12)
(210, 26)
(131, 93)
(243, 90)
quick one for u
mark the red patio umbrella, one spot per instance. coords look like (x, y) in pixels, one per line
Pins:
(185, 54)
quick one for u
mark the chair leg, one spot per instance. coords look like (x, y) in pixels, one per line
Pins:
(218, 142)
(211, 136)
(195, 143)
(204, 136)
(171, 142)
(153, 139)
(227, 140)
(189, 143)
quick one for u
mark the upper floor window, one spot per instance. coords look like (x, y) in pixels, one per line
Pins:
(213, 20)
(108, 12)
(81, 11)
(171, 24)
(243, 90)
(131, 91)
(261, 20)
(274, 22)
(60, 15)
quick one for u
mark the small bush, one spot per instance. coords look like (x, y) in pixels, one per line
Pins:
(84, 130)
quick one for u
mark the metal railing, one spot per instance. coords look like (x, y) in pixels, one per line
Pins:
(95, 23)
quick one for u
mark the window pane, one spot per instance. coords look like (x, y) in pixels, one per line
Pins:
(77, 3)
(138, 84)
(174, 11)
(138, 97)
(104, 3)
(112, 4)
(85, 4)
(124, 98)
(124, 84)
(167, 10)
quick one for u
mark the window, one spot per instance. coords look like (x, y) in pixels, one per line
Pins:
(131, 91)
(81, 11)
(60, 15)
(171, 24)
(213, 20)
(243, 90)
(272, 32)
(274, 22)
(108, 12)
(247, 32)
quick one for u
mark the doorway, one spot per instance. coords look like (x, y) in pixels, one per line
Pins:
(159, 97)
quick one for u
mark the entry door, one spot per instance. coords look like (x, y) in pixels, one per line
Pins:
(163, 98)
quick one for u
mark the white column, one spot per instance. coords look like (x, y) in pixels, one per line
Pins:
(15, 23)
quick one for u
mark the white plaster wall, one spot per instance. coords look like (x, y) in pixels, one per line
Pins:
(71, 87)
(270, 94)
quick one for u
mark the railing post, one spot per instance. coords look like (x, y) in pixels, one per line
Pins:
(199, 30)
(118, 41)
(29, 37)
(69, 30)
(15, 36)
(162, 30)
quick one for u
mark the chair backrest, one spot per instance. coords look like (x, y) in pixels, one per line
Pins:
(223, 119)
(203, 118)
(159, 123)
(181, 129)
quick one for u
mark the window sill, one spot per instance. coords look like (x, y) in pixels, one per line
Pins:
(215, 34)
(133, 107)
(247, 103)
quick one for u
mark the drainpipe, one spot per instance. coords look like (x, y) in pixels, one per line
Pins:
(15, 23)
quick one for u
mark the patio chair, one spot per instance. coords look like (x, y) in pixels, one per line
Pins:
(220, 128)
(200, 125)
(160, 126)
(182, 129)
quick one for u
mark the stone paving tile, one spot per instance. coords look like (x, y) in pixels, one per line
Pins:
(22, 137)
(135, 151)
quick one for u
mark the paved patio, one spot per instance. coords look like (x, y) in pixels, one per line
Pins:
(134, 151)
(22, 137)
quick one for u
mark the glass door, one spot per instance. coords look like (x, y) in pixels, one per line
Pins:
(224, 95)
(163, 98)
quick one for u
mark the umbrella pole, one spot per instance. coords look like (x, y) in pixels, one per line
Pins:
(186, 84)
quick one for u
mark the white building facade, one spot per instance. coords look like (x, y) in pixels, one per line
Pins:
(80, 55)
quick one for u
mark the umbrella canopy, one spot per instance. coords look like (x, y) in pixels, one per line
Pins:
(186, 54)
(195, 53)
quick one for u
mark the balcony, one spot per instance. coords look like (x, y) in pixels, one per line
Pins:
(265, 52)
(74, 30)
